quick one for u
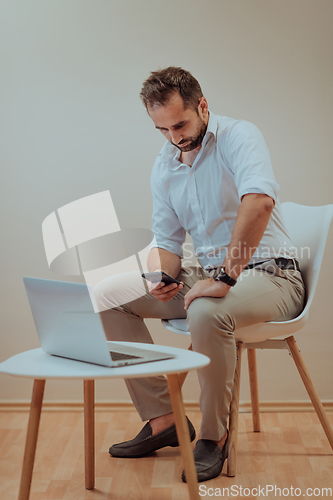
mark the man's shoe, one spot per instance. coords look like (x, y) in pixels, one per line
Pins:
(208, 459)
(145, 443)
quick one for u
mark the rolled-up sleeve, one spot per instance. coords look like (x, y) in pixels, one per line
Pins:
(249, 160)
(168, 232)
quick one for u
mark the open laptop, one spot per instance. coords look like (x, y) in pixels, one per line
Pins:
(68, 326)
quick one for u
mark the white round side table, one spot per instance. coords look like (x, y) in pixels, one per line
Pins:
(40, 366)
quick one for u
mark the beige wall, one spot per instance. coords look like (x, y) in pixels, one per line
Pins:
(72, 125)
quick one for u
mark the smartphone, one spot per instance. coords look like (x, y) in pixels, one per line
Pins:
(160, 276)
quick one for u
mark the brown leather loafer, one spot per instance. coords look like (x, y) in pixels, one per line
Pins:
(209, 459)
(145, 443)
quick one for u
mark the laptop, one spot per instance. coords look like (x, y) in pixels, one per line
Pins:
(68, 326)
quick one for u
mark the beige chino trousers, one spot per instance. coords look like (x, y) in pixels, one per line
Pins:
(260, 295)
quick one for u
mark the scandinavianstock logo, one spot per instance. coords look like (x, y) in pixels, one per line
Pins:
(84, 238)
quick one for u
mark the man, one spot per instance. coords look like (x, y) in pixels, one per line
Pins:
(213, 179)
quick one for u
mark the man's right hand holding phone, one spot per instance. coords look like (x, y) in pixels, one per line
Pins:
(162, 291)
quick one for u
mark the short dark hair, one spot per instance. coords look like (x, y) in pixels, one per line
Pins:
(163, 84)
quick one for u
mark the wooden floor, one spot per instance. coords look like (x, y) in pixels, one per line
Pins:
(290, 451)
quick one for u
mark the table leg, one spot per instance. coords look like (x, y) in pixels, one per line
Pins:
(31, 439)
(89, 433)
(183, 436)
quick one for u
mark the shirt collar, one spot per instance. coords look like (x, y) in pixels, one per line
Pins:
(212, 125)
(170, 154)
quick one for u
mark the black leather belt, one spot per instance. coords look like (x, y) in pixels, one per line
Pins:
(281, 262)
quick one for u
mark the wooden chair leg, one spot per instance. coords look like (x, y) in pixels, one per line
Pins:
(305, 376)
(233, 418)
(89, 433)
(31, 439)
(252, 362)
(183, 436)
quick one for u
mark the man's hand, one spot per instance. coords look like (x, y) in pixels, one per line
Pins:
(164, 292)
(206, 288)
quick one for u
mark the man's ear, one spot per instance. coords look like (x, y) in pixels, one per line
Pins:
(203, 109)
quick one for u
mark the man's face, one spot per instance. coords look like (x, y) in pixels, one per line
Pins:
(184, 128)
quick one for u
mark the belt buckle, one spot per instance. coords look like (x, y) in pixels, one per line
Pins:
(294, 263)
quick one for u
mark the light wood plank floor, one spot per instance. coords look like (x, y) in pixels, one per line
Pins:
(290, 451)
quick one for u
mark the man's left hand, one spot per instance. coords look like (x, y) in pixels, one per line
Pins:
(206, 288)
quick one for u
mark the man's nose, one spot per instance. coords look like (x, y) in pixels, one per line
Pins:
(176, 137)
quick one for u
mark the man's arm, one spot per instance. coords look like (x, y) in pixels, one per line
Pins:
(252, 219)
(160, 259)
(253, 216)
(163, 260)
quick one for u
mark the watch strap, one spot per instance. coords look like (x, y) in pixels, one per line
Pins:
(225, 278)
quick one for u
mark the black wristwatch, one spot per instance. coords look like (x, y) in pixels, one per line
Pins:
(223, 276)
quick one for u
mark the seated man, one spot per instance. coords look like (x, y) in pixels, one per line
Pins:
(213, 179)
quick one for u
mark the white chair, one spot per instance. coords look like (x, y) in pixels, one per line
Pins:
(308, 228)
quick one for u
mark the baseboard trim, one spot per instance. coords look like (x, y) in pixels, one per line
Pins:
(244, 406)
(283, 406)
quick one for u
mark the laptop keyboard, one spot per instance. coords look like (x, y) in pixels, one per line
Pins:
(119, 356)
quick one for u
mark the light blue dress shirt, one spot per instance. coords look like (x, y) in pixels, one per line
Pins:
(204, 199)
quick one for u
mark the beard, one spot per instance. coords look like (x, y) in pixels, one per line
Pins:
(193, 142)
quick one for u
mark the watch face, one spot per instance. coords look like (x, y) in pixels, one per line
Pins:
(222, 276)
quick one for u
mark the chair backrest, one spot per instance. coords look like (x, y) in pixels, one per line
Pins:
(308, 229)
